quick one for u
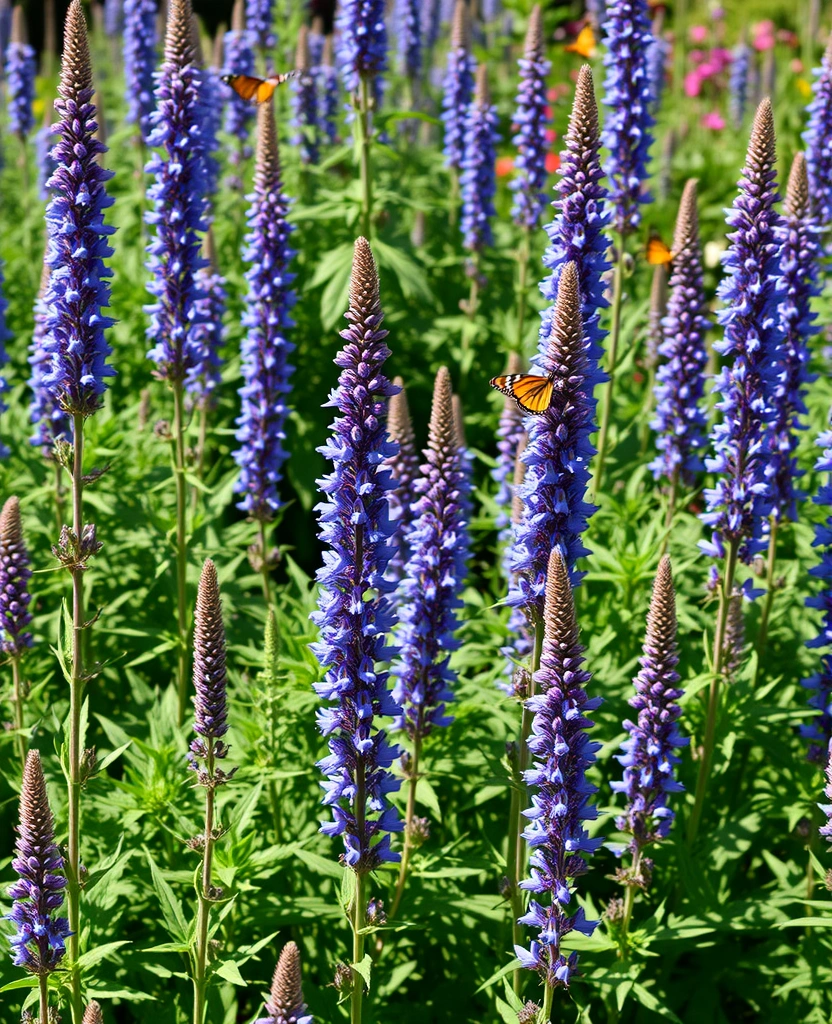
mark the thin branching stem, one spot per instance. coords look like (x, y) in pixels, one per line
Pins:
(181, 546)
(204, 908)
(612, 362)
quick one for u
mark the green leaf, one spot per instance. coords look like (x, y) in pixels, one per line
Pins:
(229, 970)
(649, 1002)
(171, 907)
(364, 968)
(95, 956)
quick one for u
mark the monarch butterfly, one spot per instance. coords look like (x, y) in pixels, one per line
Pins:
(658, 252)
(256, 90)
(584, 45)
(533, 394)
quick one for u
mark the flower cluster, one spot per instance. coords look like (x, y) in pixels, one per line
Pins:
(285, 1004)
(554, 512)
(329, 89)
(260, 21)
(648, 757)
(208, 334)
(627, 127)
(49, 419)
(238, 59)
(751, 294)
(738, 82)
(818, 140)
(14, 582)
(265, 348)
(355, 614)
(530, 117)
(140, 62)
(404, 468)
(680, 420)
(20, 70)
(77, 289)
(562, 753)
(799, 266)
(305, 102)
(409, 37)
(477, 180)
(818, 731)
(434, 575)
(39, 942)
(362, 44)
(457, 88)
(510, 432)
(178, 201)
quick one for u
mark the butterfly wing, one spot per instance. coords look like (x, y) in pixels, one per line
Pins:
(584, 45)
(248, 87)
(532, 393)
(657, 252)
(277, 80)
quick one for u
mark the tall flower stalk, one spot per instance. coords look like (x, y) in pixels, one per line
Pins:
(14, 609)
(260, 21)
(265, 348)
(329, 87)
(457, 91)
(75, 341)
(39, 942)
(404, 469)
(238, 59)
(817, 139)
(627, 136)
(210, 726)
(738, 505)
(285, 1004)
(554, 512)
(648, 754)
(178, 213)
(556, 835)
(363, 58)
(305, 102)
(799, 264)
(433, 579)
(20, 71)
(530, 120)
(478, 182)
(355, 615)
(139, 62)
(680, 420)
(510, 432)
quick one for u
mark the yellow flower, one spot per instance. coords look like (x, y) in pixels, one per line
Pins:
(804, 88)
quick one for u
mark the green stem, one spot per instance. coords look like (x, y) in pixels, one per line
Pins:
(713, 694)
(629, 899)
(17, 709)
(267, 589)
(516, 851)
(617, 296)
(275, 806)
(43, 1010)
(76, 697)
(671, 511)
(522, 285)
(204, 910)
(359, 908)
(365, 134)
(200, 454)
(59, 495)
(408, 821)
(181, 546)
(474, 293)
(762, 636)
(548, 999)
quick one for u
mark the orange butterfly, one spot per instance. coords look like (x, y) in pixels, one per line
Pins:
(584, 45)
(532, 393)
(256, 90)
(658, 253)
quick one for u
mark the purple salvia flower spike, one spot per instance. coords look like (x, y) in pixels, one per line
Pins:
(627, 92)
(20, 71)
(238, 59)
(457, 88)
(738, 83)
(209, 88)
(329, 85)
(49, 419)
(817, 138)
(531, 121)
(260, 21)
(285, 1004)
(404, 469)
(77, 291)
(93, 1014)
(577, 233)
(800, 266)
(305, 102)
(555, 513)
(267, 319)
(826, 830)
(113, 18)
(434, 575)
(466, 482)
(751, 294)
(680, 420)
(355, 614)
(510, 431)
(140, 62)
(562, 752)
(649, 759)
(39, 942)
(208, 333)
(658, 309)
(44, 160)
(362, 42)
(14, 582)
(478, 182)
(408, 18)
(177, 195)
(316, 42)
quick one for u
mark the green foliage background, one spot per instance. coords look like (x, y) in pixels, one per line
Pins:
(735, 929)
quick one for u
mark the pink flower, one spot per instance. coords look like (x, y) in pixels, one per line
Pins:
(797, 66)
(713, 120)
(504, 166)
(693, 83)
(552, 162)
(698, 33)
